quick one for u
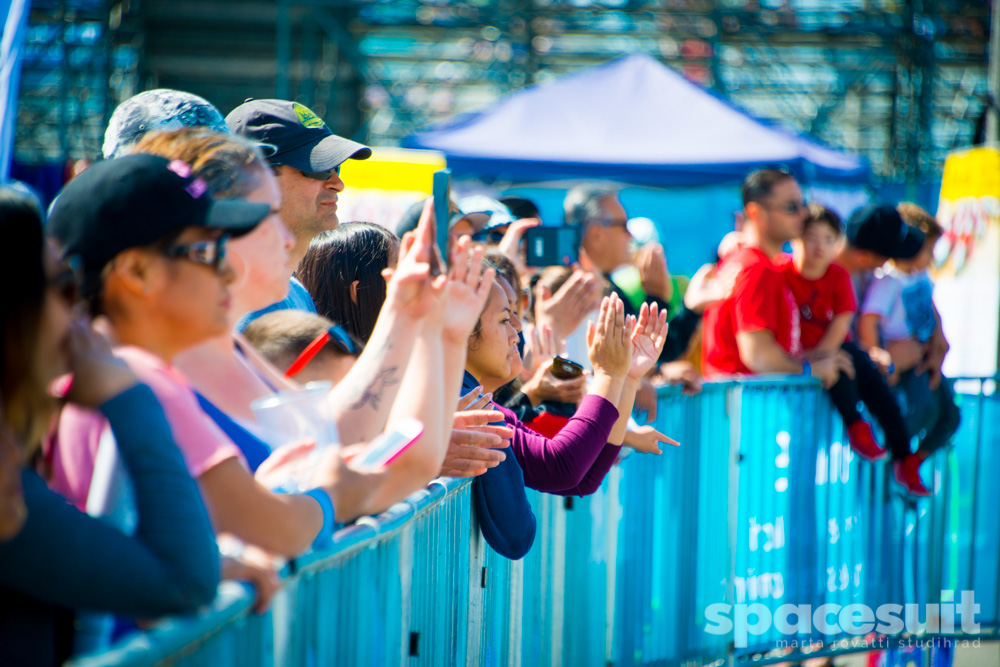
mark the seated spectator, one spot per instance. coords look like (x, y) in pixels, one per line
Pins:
(164, 287)
(342, 270)
(310, 347)
(826, 302)
(63, 561)
(398, 375)
(756, 329)
(899, 307)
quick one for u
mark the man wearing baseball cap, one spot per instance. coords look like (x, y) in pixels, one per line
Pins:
(306, 160)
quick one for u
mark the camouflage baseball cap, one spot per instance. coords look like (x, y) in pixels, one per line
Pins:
(161, 109)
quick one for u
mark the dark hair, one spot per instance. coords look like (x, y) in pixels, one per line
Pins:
(520, 207)
(505, 268)
(335, 259)
(758, 184)
(819, 214)
(22, 389)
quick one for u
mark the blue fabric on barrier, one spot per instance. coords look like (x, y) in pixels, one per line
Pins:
(632, 119)
(15, 27)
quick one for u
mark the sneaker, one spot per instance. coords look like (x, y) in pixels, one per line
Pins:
(859, 434)
(907, 473)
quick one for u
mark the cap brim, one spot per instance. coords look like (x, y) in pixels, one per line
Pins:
(235, 215)
(477, 219)
(327, 153)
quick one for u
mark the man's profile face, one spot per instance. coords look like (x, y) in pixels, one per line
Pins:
(308, 205)
(784, 211)
(615, 238)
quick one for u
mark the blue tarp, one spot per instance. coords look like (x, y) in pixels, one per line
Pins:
(15, 26)
(633, 120)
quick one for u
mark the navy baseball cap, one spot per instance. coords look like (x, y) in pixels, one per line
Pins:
(160, 109)
(300, 138)
(133, 201)
(880, 229)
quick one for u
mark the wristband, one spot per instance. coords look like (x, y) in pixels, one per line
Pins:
(806, 368)
(324, 539)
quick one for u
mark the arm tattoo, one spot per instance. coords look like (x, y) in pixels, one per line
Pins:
(372, 394)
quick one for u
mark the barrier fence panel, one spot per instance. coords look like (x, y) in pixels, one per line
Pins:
(763, 505)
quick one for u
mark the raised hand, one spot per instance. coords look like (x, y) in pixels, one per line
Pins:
(565, 310)
(648, 336)
(510, 244)
(467, 289)
(709, 285)
(608, 344)
(97, 374)
(474, 400)
(652, 264)
(411, 289)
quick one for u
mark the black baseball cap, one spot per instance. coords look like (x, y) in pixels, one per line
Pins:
(136, 200)
(880, 229)
(301, 139)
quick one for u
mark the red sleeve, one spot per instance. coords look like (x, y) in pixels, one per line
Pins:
(756, 300)
(844, 300)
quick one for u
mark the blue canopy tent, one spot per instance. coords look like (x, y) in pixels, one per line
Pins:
(632, 120)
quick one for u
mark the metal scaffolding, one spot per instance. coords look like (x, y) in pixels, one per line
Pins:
(899, 81)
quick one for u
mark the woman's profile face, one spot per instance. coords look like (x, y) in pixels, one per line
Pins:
(262, 258)
(493, 351)
(192, 300)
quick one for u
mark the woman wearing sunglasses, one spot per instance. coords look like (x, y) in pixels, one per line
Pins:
(62, 560)
(399, 373)
(163, 285)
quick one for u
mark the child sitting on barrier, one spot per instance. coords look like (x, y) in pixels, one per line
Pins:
(899, 309)
(305, 346)
(827, 303)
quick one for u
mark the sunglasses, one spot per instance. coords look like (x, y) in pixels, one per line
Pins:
(492, 236)
(321, 175)
(791, 208)
(208, 253)
(336, 335)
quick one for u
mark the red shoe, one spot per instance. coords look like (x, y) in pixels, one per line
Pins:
(859, 434)
(907, 473)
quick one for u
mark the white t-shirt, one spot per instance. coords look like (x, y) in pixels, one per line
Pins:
(904, 302)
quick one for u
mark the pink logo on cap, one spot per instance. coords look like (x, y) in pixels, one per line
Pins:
(180, 168)
(196, 188)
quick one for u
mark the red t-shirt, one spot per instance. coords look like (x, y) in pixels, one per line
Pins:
(820, 300)
(760, 300)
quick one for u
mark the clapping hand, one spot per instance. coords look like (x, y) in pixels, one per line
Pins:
(608, 344)
(648, 335)
(411, 289)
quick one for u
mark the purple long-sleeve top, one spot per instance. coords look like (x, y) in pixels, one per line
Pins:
(576, 460)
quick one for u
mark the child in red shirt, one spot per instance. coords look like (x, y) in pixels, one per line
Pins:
(826, 303)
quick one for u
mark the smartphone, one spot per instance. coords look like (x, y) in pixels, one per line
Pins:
(441, 190)
(564, 369)
(552, 246)
(387, 447)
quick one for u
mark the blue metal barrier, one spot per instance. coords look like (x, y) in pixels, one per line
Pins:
(763, 505)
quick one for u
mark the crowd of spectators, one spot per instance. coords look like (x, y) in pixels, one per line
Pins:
(200, 269)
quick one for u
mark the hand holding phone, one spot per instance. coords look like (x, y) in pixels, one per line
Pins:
(564, 369)
(387, 447)
(441, 191)
(552, 246)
